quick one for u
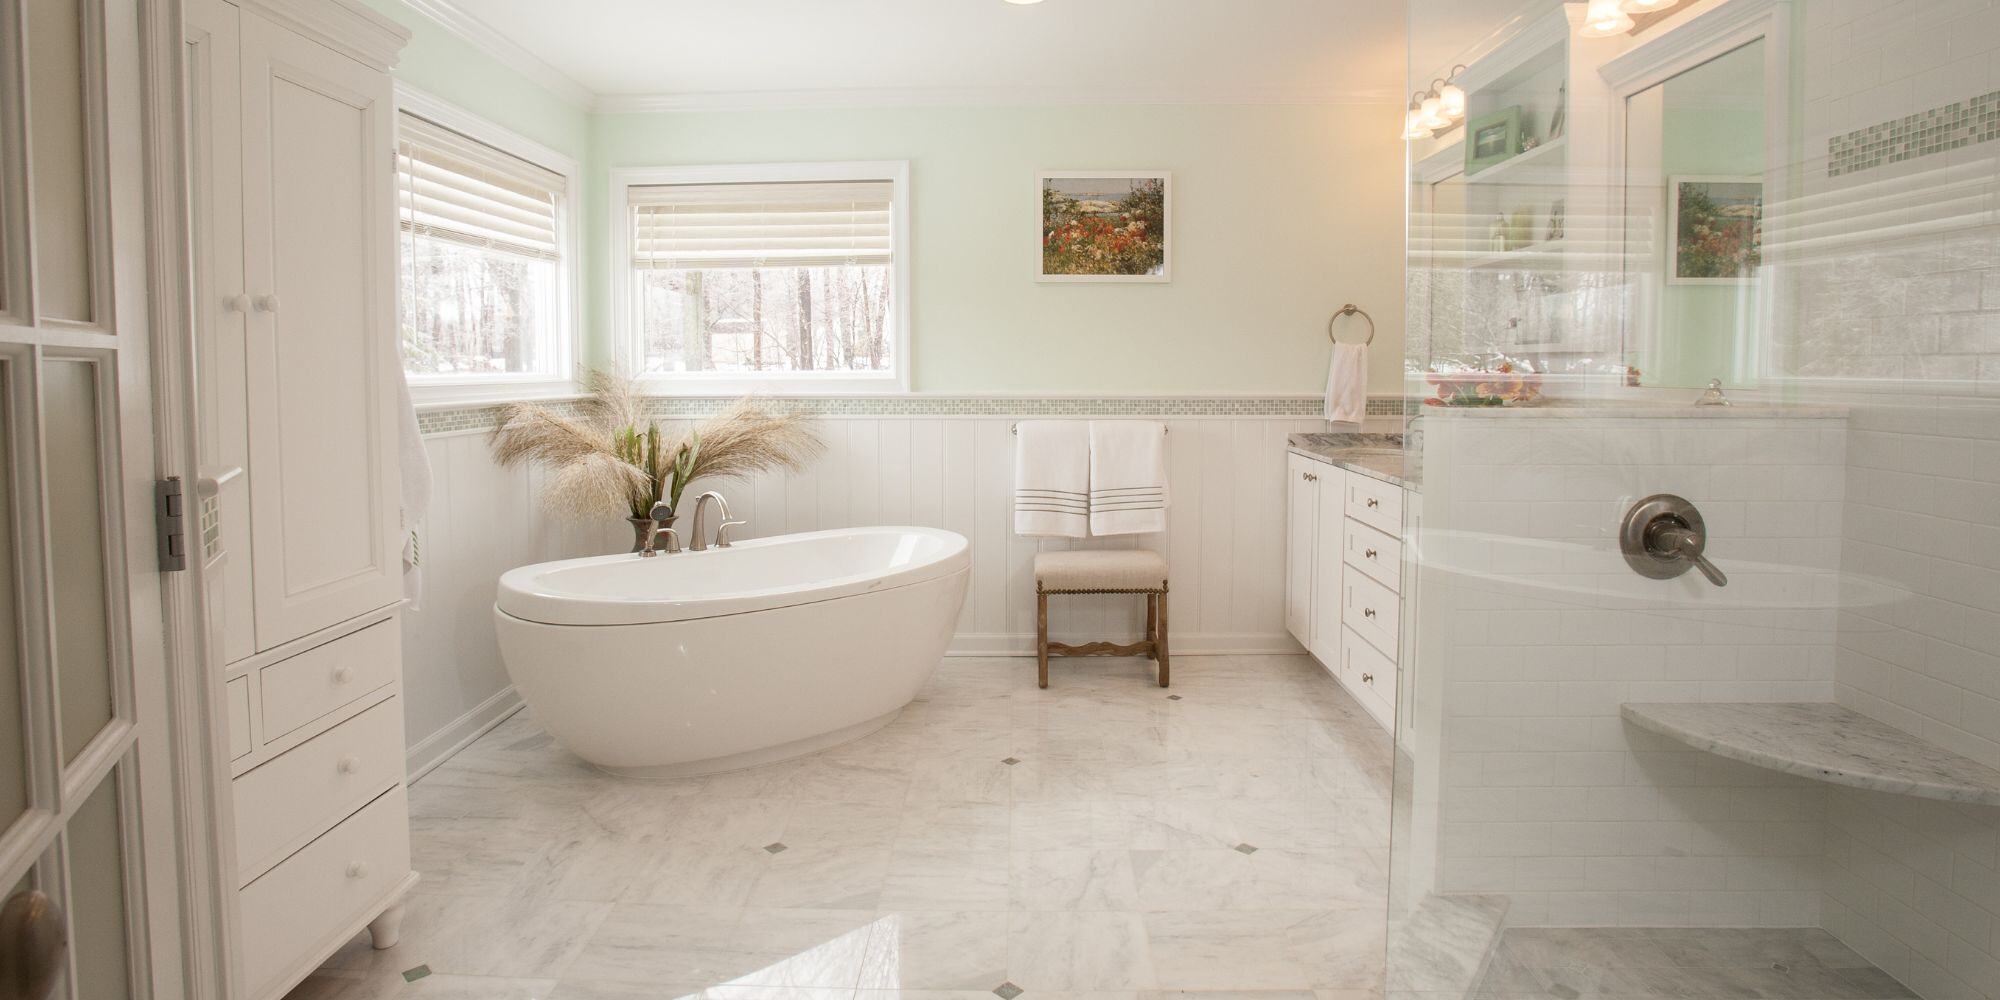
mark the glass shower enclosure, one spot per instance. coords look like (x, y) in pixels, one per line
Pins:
(1700, 684)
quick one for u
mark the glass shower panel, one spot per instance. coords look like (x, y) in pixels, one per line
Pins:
(1772, 770)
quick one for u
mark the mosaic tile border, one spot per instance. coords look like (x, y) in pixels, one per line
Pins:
(483, 416)
(1950, 126)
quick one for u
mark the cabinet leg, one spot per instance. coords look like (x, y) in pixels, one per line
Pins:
(1160, 650)
(384, 931)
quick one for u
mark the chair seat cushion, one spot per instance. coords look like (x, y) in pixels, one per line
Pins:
(1101, 569)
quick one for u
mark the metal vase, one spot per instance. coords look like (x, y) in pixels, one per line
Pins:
(645, 527)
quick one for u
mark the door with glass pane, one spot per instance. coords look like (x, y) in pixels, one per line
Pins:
(81, 654)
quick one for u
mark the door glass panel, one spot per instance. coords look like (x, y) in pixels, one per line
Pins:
(76, 535)
(97, 897)
(59, 157)
(13, 757)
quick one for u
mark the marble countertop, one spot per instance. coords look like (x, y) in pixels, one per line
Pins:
(1824, 741)
(1376, 455)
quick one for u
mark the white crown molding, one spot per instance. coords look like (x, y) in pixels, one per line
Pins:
(346, 26)
(482, 36)
(902, 97)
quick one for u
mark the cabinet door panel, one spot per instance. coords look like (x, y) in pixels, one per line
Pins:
(320, 358)
(1301, 544)
(1327, 564)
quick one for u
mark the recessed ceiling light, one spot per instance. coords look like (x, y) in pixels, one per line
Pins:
(1023, 3)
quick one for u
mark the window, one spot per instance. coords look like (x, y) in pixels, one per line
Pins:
(766, 277)
(485, 282)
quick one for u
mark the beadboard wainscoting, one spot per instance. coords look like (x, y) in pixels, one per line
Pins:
(1225, 545)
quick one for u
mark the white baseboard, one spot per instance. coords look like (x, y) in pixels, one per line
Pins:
(439, 747)
(1179, 644)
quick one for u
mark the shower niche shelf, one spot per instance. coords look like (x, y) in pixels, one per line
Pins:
(1823, 741)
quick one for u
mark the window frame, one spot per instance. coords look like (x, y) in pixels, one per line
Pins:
(630, 341)
(560, 380)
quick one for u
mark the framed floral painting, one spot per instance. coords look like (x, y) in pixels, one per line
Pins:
(1715, 229)
(1105, 225)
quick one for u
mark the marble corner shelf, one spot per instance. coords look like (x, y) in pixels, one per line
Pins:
(1823, 741)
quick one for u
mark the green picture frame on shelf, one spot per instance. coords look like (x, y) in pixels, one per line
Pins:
(1492, 138)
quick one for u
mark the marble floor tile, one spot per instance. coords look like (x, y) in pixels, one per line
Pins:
(1085, 842)
(1679, 964)
(937, 950)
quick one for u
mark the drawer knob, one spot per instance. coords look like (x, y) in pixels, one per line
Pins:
(357, 869)
(349, 764)
(1367, 612)
(342, 675)
(1367, 678)
(1372, 502)
(1370, 553)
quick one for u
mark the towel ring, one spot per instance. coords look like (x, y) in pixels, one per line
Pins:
(1351, 309)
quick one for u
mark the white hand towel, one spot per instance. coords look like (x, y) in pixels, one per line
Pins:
(1052, 478)
(1128, 477)
(416, 497)
(1347, 383)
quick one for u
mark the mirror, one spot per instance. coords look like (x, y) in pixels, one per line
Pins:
(1695, 177)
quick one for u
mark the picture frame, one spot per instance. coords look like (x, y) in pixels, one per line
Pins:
(1715, 228)
(1492, 138)
(1104, 226)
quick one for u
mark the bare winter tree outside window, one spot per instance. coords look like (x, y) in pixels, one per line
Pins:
(481, 290)
(764, 277)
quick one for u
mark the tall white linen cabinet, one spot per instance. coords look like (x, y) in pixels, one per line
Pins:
(290, 152)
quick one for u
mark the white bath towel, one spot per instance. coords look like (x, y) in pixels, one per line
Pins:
(1128, 477)
(1347, 383)
(1052, 478)
(416, 495)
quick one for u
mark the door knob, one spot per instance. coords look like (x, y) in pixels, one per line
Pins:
(34, 946)
(266, 303)
(237, 303)
(349, 764)
(357, 869)
(343, 674)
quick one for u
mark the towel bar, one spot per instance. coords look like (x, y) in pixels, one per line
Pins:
(1351, 309)
(1015, 429)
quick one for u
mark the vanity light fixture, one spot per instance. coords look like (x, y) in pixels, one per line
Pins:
(1023, 3)
(1436, 110)
(1642, 6)
(1605, 18)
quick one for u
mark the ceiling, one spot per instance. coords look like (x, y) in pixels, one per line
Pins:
(718, 53)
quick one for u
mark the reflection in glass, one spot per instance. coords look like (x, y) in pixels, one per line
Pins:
(97, 896)
(13, 753)
(74, 482)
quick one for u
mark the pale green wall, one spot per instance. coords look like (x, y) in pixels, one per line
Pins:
(440, 64)
(1280, 215)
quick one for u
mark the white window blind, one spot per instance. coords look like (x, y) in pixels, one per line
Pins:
(789, 224)
(459, 190)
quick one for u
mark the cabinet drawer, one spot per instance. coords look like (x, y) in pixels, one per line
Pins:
(1375, 503)
(1376, 553)
(315, 784)
(323, 678)
(1370, 675)
(1372, 611)
(323, 889)
(237, 694)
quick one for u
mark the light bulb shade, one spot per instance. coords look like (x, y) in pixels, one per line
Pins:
(1431, 112)
(1413, 125)
(1451, 101)
(1605, 18)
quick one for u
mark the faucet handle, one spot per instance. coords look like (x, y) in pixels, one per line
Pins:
(722, 533)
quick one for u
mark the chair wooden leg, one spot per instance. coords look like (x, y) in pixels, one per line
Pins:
(1160, 641)
(1153, 623)
(1041, 639)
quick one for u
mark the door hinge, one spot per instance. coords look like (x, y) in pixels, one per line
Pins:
(170, 520)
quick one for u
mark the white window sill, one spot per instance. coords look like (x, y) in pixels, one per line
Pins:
(444, 395)
(733, 384)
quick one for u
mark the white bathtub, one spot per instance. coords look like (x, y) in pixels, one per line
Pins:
(709, 661)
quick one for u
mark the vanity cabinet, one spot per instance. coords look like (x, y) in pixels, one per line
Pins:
(290, 152)
(1343, 577)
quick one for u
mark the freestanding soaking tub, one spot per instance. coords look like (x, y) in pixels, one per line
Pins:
(709, 661)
